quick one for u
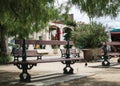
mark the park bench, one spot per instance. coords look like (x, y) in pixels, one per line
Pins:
(26, 65)
(114, 52)
(73, 52)
(30, 53)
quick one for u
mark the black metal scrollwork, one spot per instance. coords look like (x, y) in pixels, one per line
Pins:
(68, 69)
(105, 62)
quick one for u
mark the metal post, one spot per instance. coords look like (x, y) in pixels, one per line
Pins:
(24, 76)
(119, 55)
(68, 50)
(24, 51)
(105, 56)
(68, 69)
(105, 52)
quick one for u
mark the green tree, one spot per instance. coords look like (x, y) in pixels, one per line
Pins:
(23, 17)
(98, 8)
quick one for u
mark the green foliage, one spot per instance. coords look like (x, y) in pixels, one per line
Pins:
(67, 36)
(54, 46)
(23, 17)
(89, 36)
(40, 37)
(71, 23)
(5, 59)
(20, 18)
(97, 8)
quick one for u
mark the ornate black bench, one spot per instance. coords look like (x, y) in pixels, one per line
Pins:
(107, 54)
(26, 65)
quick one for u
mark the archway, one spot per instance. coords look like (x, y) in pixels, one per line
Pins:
(55, 32)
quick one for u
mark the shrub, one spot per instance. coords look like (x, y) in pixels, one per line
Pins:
(4, 60)
(89, 35)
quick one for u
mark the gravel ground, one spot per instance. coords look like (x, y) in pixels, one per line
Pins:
(105, 78)
(99, 76)
(108, 76)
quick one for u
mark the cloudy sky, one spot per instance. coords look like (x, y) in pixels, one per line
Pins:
(104, 20)
(78, 16)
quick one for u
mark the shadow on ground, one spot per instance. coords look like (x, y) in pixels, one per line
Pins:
(112, 65)
(88, 81)
(6, 76)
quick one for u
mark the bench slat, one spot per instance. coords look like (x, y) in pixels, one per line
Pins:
(44, 61)
(44, 42)
(113, 43)
(111, 53)
(29, 53)
(27, 42)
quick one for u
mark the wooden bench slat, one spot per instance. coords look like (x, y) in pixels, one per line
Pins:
(111, 53)
(27, 42)
(29, 53)
(44, 61)
(33, 53)
(116, 53)
(113, 43)
(44, 42)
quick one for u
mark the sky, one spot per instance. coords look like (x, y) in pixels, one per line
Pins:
(78, 16)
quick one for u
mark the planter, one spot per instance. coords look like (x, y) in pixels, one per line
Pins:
(91, 54)
(55, 51)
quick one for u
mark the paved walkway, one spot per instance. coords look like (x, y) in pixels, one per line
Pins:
(51, 74)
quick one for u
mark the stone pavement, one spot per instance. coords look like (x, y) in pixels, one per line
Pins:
(49, 74)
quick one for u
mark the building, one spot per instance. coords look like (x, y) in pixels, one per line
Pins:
(115, 34)
(55, 31)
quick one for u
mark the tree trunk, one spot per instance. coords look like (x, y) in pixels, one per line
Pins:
(3, 41)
